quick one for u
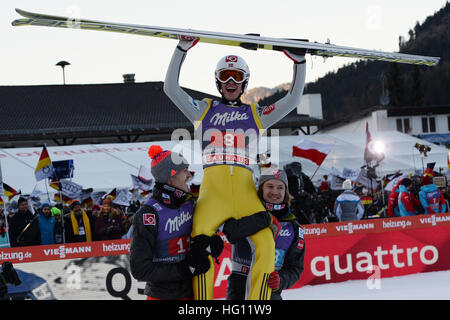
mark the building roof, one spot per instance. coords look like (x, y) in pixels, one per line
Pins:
(391, 112)
(418, 111)
(95, 110)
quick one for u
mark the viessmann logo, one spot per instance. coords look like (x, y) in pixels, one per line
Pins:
(62, 251)
(434, 219)
(350, 227)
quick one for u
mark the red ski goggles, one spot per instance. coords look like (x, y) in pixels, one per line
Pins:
(236, 75)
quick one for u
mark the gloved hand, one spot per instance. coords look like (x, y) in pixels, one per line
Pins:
(274, 281)
(197, 256)
(201, 247)
(297, 58)
(216, 244)
(187, 43)
(275, 227)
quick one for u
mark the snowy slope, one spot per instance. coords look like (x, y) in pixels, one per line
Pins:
(423, 286)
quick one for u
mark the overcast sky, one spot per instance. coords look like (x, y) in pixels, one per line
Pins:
(28, 54)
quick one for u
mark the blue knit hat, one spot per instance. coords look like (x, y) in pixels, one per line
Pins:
(45, 205)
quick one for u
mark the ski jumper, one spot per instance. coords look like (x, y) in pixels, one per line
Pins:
(228, 135)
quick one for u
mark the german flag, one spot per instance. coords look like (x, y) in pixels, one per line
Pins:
(113, 194)
(57, 198)
(87, 202)
(9, 191)
(54, 184)
(366, 200)
(44, 168)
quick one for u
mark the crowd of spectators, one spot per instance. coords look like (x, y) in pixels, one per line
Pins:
(54, 224)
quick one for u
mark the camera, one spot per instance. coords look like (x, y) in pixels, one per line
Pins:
(8, 275)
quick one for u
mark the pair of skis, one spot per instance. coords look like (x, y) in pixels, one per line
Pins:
(247, 41)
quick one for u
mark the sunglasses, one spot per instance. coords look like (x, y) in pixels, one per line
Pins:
(236, 75)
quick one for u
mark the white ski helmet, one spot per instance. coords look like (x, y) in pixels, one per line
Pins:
(232, 62)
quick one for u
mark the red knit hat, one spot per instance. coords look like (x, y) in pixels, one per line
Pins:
(74, 203)
(163, 165)
(426, 179)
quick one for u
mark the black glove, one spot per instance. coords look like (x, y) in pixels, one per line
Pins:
(197, 257)
(216, 244)
(201, 247)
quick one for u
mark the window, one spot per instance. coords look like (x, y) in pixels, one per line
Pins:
(406, 125)
(400, 127)
(428, 125)
(403, 125)
(424, 125)
(432, 124)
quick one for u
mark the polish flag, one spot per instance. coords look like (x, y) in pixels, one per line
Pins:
(316, 152)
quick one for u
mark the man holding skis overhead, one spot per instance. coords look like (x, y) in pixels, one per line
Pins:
(228, 131)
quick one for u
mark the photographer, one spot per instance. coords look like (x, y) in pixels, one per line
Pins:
(302, 190)
(8, 275)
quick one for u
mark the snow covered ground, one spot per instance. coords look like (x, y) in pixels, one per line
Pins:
(85, 280)
(422, 286)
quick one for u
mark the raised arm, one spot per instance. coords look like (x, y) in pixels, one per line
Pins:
(270, 115)
(191, 108)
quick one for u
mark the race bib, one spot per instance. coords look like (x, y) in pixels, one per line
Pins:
(81, 231)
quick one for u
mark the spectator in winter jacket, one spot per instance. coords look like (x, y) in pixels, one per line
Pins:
(288, 235)
(431, 197)
(109, 223)
(348, 206)
(392, 210)
(4, 239)
(46, 225)
(405, 199)
(24, 226)
(59, 231)
(78, 225)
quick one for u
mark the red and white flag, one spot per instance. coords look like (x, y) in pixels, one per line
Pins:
(316, 152)
(368, 155)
